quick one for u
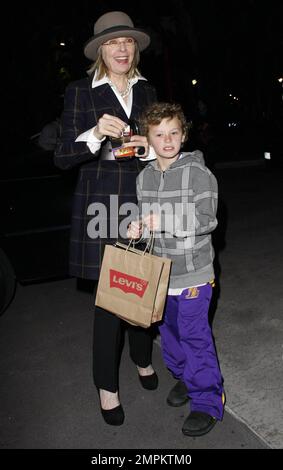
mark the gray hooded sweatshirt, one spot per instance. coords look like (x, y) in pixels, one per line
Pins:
(185, 196)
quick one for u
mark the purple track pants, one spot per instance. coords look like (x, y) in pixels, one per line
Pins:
(188, 348)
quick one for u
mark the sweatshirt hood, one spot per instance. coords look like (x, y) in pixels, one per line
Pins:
(185, 158)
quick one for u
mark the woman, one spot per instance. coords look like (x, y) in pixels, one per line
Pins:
(97, 109)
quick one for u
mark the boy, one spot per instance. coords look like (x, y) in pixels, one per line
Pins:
(177, 195)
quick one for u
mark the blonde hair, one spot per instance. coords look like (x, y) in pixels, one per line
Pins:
(155, 113)
(101, 70)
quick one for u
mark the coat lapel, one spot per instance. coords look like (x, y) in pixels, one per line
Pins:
(105, 100)
(139, 100)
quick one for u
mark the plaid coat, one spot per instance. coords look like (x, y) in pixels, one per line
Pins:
(97, 179)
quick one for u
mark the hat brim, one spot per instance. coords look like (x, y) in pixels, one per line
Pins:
(92, 45)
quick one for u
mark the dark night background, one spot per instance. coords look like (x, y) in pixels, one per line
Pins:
(233, 49)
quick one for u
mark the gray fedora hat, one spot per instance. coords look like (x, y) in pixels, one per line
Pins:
(112, 25)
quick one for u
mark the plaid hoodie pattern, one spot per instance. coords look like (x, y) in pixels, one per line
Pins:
(189, 190)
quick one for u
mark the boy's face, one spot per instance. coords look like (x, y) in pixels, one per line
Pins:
(166, 138)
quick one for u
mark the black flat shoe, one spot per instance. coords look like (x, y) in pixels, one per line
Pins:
(178, 396)
(114, 416)
(149, 382)
(198, 423)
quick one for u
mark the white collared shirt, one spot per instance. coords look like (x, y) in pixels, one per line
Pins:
(88, 136)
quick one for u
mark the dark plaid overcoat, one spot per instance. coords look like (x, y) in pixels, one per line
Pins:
(98, 180)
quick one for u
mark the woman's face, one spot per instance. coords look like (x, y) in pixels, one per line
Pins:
(118, 55)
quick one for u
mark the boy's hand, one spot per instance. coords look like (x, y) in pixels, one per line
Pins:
(134, 229)
(152, 222)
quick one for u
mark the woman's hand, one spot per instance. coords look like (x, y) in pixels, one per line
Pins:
(134, 229)
(110, 126)
(141, 145)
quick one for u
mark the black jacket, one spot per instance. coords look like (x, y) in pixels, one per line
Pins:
(97, 179)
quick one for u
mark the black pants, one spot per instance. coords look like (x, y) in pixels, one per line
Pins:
(107, 348)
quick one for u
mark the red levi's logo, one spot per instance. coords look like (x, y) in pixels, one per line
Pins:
(128, 283)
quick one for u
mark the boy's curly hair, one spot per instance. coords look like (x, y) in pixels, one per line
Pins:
(154, 114)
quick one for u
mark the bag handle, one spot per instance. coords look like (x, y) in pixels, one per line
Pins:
(150, 243)
(148, 248)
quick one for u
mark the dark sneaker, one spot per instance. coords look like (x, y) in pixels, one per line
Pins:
(178, 396)
(198, 423)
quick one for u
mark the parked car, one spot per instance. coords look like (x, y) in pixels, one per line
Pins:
(35, 210)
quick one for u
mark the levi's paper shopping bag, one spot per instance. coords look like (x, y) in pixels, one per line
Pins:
(133, 284)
